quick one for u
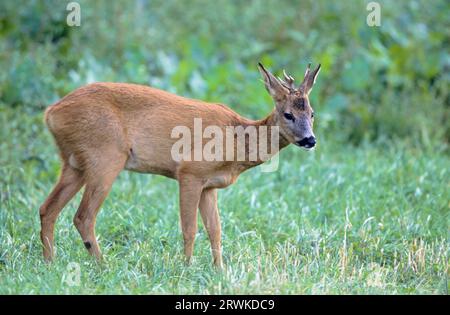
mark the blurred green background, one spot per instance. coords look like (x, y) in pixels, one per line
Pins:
(366, 212)
(377, 83)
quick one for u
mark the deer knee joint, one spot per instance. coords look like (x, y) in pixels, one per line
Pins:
(189, 237)
(78, 222)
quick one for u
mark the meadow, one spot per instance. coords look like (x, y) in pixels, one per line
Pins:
(366, 212)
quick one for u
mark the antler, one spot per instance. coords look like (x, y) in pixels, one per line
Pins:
(308, 70)
(288, 81)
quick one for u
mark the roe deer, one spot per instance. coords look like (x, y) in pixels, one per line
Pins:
(103, 128)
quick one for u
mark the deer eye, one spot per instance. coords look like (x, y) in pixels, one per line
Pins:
(289, 116)
(312, 115)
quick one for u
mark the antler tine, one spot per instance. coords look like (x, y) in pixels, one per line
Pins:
(308, 69)
(305, 78)
(283, 83)
(288, 80)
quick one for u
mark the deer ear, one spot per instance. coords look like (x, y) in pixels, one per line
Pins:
(272, 84)
(309, 79)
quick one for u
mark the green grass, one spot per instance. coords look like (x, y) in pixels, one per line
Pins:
(342, 219)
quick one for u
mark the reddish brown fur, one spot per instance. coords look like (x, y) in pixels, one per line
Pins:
(103, 128)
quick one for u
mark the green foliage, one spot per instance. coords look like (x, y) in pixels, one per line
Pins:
(371, 76)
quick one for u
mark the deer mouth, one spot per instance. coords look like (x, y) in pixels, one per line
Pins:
(307, 147)
(307, 143)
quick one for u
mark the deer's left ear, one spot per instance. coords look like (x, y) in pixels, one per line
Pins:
(309, 79)
(273, 85)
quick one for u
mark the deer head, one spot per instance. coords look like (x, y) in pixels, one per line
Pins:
(293, 112)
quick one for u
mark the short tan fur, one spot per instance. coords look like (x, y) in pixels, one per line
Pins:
(102, 128)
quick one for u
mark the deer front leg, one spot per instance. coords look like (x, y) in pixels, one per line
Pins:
(211, 221)
(190, 191)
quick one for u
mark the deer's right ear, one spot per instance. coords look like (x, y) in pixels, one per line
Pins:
(273, 86)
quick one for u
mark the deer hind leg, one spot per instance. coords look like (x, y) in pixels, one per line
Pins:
(69, 183)
(98, 185)
(211, 221)
(190, 191)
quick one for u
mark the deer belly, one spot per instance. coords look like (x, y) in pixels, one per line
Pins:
(149, 164)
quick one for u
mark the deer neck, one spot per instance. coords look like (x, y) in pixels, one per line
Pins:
(271, 121)
(264, 129)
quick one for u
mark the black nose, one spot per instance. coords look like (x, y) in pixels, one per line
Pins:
(308, 142)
